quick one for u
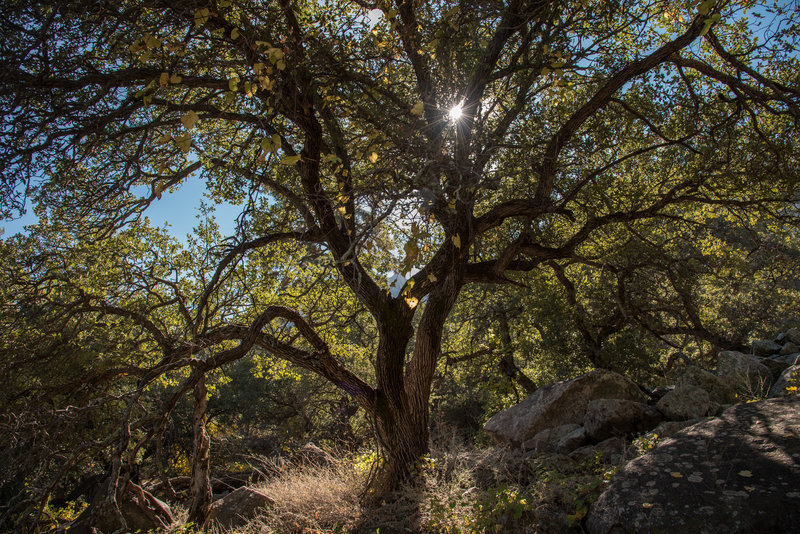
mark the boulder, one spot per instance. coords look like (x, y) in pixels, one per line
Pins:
(789, 378)
(687, 402)
(558, 404)
(718, 390)
(765, 347)
(744, 372)
(775, 367)
(547, 440)
(608, 451)
(660, 391)
(793, 335)
(141, 510)
(238, 508)
(735, 474)
(574, 440)
(607, 418)
(670, 428)
(789, 348)
(789, 359)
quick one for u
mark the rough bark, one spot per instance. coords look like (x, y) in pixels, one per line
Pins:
(201, 459)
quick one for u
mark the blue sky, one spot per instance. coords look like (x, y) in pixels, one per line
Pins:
(178, 209)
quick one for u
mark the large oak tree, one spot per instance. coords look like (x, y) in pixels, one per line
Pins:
(452, 143)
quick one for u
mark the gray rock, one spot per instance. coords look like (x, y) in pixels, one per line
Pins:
(793, 335)
(574, 440)
(238, 508)
(558, 404)
(789, 348)
(765, 347)
(789, 359)
(609, 451)
(670, 428)
(684, 403)
(546, 440)
(775, 367)
(718, 390)
(660, 391)
(789, 378)
(745, 373)
(140, 509)
(735, 474)
(607, 418)
(781, 338)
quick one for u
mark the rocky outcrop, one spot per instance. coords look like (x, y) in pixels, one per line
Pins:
(608, 418)
(548, 439)
(744, 372)
(686, 402)
(237, 508)
(765, 347)
(139, 508)
(558, 404)
(718, 389)
(736, 473)
(789, 379)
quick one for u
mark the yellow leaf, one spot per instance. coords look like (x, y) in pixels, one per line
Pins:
(418, 109)
(373, 157)
(151, 41)
(163, 80)
(675, 474)
(175, 78)
(234, 34)
(289, 160)
(201, 16)
(456, 241)
(258, 67)
(745, 473)
(647, 505)
(164, 139)
(233, 83)
(275, 54)
(432, 277)
(147, 100)
(412, 302)
(750, 488)
(184, 142)
(189, 119)
(280, 65)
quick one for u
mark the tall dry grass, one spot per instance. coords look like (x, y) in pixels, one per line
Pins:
(459, 490)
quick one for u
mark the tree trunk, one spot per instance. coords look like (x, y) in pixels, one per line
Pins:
(507, 365)
(402, 409)
(201, 459)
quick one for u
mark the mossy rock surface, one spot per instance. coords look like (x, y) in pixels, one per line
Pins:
(738, 473)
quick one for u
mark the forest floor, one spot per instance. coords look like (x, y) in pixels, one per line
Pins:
(460, 490)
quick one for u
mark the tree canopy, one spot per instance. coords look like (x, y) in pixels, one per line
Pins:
(401, 167)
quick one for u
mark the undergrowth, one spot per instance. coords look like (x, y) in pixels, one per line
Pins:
(458, 490)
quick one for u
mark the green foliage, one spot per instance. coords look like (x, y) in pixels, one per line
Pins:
(622, 182)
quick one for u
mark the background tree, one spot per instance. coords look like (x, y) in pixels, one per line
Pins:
(457, 143)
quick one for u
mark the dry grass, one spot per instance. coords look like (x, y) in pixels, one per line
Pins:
(313, 498)
(459, 490)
